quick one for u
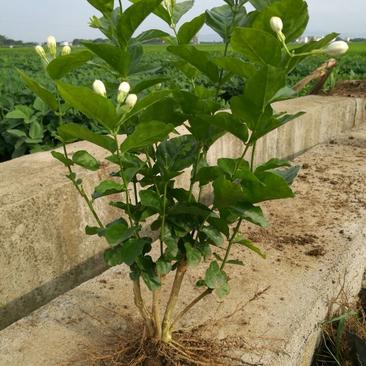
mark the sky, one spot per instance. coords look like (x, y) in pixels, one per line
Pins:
(34, 20)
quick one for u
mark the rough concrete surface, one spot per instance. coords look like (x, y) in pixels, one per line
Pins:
(44, 251)
(315, 248)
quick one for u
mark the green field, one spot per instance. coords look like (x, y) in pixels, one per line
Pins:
(13, 93)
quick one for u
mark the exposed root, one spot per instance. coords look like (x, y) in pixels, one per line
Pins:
(187, 349)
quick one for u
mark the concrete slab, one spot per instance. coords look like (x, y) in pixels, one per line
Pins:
(316, 247)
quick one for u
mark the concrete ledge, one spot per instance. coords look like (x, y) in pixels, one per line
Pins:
(316, 246)
(44, 249)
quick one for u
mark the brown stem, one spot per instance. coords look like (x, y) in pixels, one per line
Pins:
(156, 304)
(140, 304)
(173, 299)
(190, 306)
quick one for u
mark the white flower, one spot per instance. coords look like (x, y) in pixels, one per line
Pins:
(99, 88)
(336, 48)
(52, 45)
(66, 50)
(276, 24)
(41, 53)
(131, 101)
(123, 90)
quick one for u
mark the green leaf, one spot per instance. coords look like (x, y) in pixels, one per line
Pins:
(223, 20)
(163, 267)
(257, 46)
(236, 262)
(289, 174)
(251, 246)
(272, 164)
(227, 193)
(114, 56)
(236, 66)
(75, 131)
(147, 83)
(222, 291)
(86, 160)
(92, 230)
(39, 90)
(150, 35)
(131, 249)
(193, 255)
(229, 123)
(250, 213)
(62, 158)
(189, 30)
(150, 199)
(208, 174)
(62, 65)
(199, 59)
(20, 112)
(104, 6)
(131, 19)
(176, 154)
(214, 277)
(213, 235)
(146, 134)
(94, 106)
(294, 14)
(261, 4)
(180, 9)
(106, 188)
(149, 275)
(117, 232)
(36, 131)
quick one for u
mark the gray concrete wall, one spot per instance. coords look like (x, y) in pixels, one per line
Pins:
(44, 251)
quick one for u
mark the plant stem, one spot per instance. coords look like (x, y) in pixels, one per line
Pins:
(190, 306)
(156, 305)
(172, 302)
(140, 304)
(162, 230)
(231, 242)
(252, 157)
(118, 152)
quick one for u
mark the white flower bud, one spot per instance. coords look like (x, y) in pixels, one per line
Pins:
(131, 101)
(66, 50)
(41, 53)
(52, 45)
(123, 90)
(99, 88)
(336, 48)
(276, 24)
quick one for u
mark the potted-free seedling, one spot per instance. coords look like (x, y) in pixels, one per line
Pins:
(153, 134)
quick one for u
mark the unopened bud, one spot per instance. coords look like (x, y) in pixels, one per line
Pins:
(123, 91)
(66, 50)
(276, 24)
(99, 88)
(131, 101)
(336, 48)
(41, 53)
(52, 45)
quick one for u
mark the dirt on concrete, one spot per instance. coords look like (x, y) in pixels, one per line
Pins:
(315, 242)
(349, 88)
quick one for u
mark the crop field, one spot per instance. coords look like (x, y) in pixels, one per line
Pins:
(14, 94)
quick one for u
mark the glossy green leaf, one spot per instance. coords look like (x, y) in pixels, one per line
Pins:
(163, 267)
(36, 131)
(150, 35)
(229, 123)
(86, 160)
(251, 246)
(180, 9)
(150, 199)
(131, 249)
(107, 187)
(133, 16)
(94, 106)
(236, 66)
(214, 277)
(146, 134)
(62, 158)
(62, 65)
(272, 164)
(257, 46)
(39, 90)
(227, 193)
(199, 59)
(222, 20)
(176, 154)
(75, 131)
(117, 232)
(190, 29)
(249, 213)
(213, 235)
(104, 6)
(294, 14)
(193, 255)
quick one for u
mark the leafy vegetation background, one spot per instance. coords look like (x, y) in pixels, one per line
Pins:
(13, 93)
